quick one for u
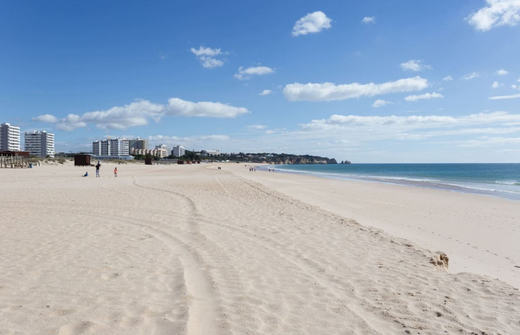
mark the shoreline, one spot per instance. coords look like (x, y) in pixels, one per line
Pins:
(479, 232)
(425, 182)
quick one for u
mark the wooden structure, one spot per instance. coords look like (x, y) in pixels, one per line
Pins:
(14, 159)
(82, 160)
(148, 160)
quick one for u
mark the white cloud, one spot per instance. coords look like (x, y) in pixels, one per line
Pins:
(496, 13)
(138, 113)
(204, 51)
(265, 92)
(487, 141)
(246, 73)
(181, 107)
(257, 126)
(46, 118)
(311, 23)
(380, 103)
(329, 91)
(495, 84)
(447, 78)
(425, 96)
(368, 19)
(362, 128)
(207, 56)
(70, 122)
(133, 114)
(209, 62)
(414, 65)
(505, 97)
(502, 72)
(471, 75)
(190, 142)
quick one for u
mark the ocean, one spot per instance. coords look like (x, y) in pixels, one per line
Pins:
(502, 180)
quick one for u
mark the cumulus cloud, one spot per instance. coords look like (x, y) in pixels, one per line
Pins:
(329, 91)
(470, 76)
(265, 92)
(495, 84)
(368, 19)
(246, 73)
(425, 96)
(447, 78)
(46, 118)
(138, 113)
(311, 23)
(208, 56)
(380, 103)
(133, 114)
(505, 97)
(181, 107)
(496, 13)
(414, 65)
(502, 72)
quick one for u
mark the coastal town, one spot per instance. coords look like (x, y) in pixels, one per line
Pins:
(41, 144)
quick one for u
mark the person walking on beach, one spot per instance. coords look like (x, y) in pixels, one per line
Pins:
(98, 165)
(115, 171)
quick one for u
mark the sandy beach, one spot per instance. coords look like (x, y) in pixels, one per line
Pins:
(197, 250)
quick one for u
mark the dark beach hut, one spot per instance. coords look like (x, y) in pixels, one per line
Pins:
(81, 160)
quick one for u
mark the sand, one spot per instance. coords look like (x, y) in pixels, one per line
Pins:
(196, 250)
(480, 233)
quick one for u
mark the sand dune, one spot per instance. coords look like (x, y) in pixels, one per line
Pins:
(196, 250)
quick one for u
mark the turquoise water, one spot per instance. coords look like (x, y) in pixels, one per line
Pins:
(501, 180)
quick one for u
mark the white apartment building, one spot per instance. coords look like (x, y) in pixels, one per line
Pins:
(39, 143)
(178, 151)
(9, 137)
(111, 147)
(162, 150)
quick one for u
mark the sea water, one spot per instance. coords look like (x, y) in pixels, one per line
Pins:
(501, 180)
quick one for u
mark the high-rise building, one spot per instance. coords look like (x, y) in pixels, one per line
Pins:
(178, 151)
(9, 137)
(111, 147)
(39, 143)
(96, 148)
(137, 143)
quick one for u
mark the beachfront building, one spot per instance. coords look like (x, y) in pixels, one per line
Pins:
(39, 143)
(96, 148)
(178, 151)
(162, 150)
(9, 137)
(111, 147)
(137, 143)
(159, 153)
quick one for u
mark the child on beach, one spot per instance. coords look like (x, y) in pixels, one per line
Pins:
(115, 171)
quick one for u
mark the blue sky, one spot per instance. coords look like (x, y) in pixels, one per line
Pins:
(370, 81)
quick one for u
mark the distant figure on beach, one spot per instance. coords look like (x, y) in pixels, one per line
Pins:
(98, 165)
(115, 171)
(86, 174)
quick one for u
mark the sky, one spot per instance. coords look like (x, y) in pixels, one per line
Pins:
(367, 81)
